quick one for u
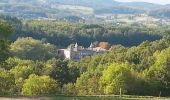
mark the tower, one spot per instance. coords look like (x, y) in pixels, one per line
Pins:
(91, 46)
(76, 47)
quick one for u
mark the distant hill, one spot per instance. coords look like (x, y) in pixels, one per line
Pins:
(142, 5)
(164, 13)
(91, 3)
(58, 8)
(119, 10)
(109, 3)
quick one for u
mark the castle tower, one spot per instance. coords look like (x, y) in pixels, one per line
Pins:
(76, 47)
(91, 46)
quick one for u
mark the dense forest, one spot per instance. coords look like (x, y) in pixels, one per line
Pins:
(29, 66)
(62, 33)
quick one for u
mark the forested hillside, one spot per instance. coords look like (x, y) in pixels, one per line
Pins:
(63, 33)
(34, 9)
(164, 12)
(29, 65)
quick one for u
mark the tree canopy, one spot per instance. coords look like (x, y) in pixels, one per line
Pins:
(27, 48)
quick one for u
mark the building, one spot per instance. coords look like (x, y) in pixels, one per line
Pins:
(77, 52)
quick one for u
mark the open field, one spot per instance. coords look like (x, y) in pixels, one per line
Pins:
(77, 98)
(80, 9)
(24, 98)
(105, 98)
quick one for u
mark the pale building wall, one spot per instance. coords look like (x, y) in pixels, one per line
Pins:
(78, 53)
(67, 54)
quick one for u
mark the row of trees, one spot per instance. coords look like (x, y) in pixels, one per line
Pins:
(27, 77)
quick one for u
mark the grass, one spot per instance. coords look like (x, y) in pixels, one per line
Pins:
(81, 9)
(83, 98)
(103, 98)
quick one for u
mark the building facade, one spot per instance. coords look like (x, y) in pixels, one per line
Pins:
(76, 52)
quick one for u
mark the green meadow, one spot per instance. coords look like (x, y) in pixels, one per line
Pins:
(106, 98)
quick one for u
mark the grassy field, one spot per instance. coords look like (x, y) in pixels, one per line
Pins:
(104, 98)
(80, 9)
(79, 98)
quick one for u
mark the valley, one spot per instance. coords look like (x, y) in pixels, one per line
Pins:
(84, 50)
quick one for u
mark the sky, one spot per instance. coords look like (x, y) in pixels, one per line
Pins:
(151, 1)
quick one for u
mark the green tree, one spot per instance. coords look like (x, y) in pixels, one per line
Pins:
(69, 89)
(5, 31)
(158, 73)
(20, 68)
(7, 83)
(22, 71)
(29, 48)
(19, 85)
(4, 50)
(88, 84)
(40, 85)
(13, 62)
(58, 70)
(116, 77)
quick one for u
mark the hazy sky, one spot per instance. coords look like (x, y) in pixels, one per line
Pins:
(152, 1)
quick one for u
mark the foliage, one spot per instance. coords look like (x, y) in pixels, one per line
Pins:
(69, 89)
(13, 62)
(116, 77)
(158, 74)
(5, 31)
(104, 45)
(59, 70)
(27, 48)
(22, 71)
(4, 50)
(34, 70)
(7, 83)
(87, 84)
(39, 85)
(63, 33)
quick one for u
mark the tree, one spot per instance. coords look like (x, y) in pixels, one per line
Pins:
(20, 68)
(104, 45)
(29, 48)
(22, 71)
(58, 70)
(5, 31)
(88, 84)
(4, 50)
(116, 77)
(39, 85)
(69, 89)
(19, 85)
(158, 73)
(7, 83)
(13, 62)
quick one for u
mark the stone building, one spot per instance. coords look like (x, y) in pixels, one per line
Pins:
(77, 52)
